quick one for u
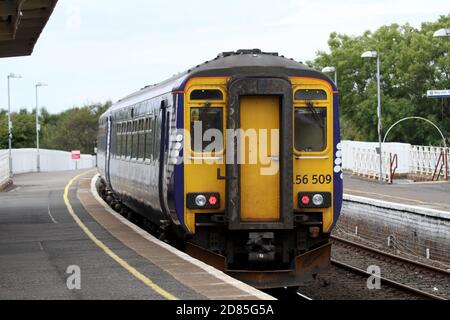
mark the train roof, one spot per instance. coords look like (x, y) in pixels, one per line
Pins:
(248, 62)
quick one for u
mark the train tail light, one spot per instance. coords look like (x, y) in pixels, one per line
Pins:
(212, 200)
(306, 200)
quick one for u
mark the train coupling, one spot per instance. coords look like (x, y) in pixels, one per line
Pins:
(260, 247)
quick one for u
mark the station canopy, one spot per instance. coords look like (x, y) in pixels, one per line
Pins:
(21, 23)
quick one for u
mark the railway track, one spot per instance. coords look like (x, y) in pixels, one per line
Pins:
(404, 274)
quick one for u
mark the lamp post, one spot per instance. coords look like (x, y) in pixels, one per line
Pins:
(38, 128)
(374, 54)
(331, 69)
(10, 76)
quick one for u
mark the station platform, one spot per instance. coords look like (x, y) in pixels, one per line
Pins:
(53, 227)
(427, 195)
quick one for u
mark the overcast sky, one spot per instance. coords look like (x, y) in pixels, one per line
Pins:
(95, 50)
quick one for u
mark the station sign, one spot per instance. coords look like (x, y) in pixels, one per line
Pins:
(438, 93)
(76, 154)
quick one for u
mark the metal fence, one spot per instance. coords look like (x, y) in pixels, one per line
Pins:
(4, 167)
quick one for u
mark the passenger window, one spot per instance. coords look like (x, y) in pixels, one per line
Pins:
(119, 140)
(149, 139)
(206, 118)
(124, 139)
(207, 95)
(310, 95)
(141, 140)
(310, 129)
(156, 131)
(135, 140)
(129, 138)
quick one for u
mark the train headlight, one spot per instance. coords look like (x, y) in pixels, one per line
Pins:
(200, 200)
(317, 200)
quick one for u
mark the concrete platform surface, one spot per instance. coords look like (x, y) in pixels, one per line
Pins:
(47, 235)
(431, 195)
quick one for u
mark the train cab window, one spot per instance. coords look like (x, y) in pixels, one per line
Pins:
(209, 95)
(310, 129)
(206, 118)
(310, 95)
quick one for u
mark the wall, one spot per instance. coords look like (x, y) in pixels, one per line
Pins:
(412, 230)
(4, 168)
(24, 160)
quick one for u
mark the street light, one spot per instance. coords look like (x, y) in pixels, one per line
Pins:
(10, 76)
(374, 54)
(442, 33)
(38, 127)
(329, 70)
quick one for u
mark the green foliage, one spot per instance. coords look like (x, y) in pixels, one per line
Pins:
(412, 62)
(72, 129)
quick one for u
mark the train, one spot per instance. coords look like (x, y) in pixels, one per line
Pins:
(239, 158)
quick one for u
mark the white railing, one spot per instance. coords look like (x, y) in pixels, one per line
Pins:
(424, 159)
(4, 167)
(361, 158)
(367, 163)
(25, 160)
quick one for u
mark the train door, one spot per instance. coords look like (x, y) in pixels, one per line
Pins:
(108, 149)
(260, 186)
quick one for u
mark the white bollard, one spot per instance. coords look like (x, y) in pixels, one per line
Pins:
(428, 253)
(356, 230)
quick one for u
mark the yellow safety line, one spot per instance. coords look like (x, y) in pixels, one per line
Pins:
(108, 251)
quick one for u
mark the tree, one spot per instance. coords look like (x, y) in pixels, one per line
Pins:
(412, 62)
(74, 129)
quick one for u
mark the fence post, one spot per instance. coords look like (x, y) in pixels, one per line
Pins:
(446, 163)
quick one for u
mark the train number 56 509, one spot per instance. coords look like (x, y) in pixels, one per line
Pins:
(314, 179)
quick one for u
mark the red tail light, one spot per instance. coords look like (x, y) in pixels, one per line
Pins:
(306, 200)
(213, 200)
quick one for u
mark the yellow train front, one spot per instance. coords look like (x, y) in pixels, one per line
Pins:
(266, 202)
(249, 170)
